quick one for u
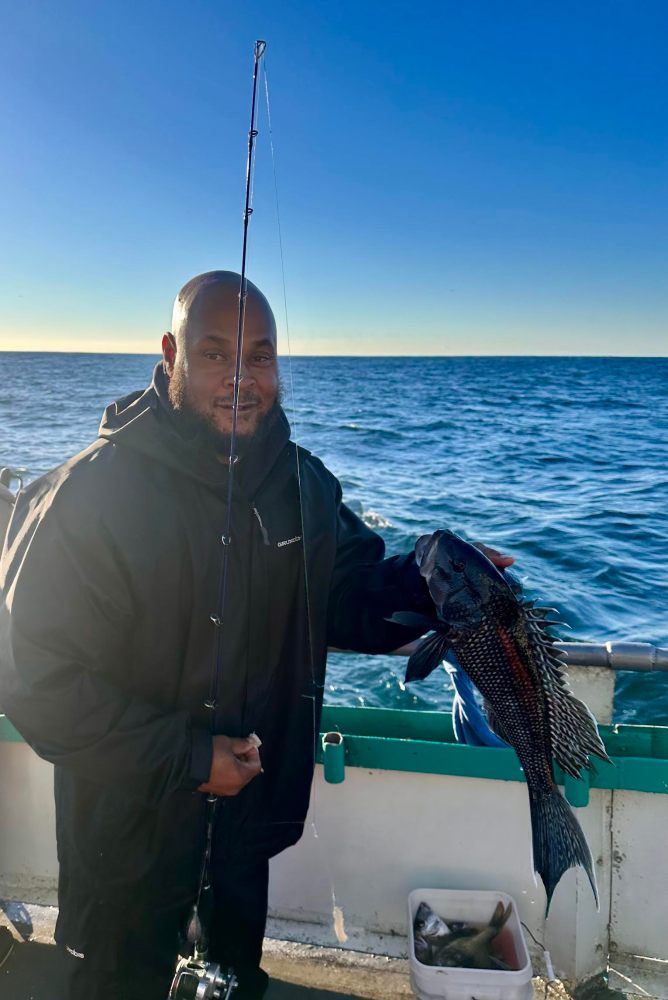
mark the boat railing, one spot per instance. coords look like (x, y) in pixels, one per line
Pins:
(641, 656)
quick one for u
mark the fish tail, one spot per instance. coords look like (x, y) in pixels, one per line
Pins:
(558, 841)
(500, 916)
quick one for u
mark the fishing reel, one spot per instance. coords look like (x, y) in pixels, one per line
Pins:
(196, 979)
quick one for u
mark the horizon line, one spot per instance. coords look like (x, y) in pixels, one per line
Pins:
(150, 354)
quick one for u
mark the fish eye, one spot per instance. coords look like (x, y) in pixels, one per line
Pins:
(457, 566)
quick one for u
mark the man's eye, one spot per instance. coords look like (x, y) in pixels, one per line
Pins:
(262, 359)
(214, 356)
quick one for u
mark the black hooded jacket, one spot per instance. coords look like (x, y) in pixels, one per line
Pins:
(109, 577)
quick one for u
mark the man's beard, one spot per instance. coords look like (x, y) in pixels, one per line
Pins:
(204, 430)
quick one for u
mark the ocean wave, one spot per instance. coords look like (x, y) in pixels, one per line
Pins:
(377, 432)
(375, 521)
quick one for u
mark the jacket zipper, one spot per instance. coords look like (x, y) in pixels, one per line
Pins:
(265, 536)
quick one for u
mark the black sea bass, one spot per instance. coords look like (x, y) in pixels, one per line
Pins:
(503, 644)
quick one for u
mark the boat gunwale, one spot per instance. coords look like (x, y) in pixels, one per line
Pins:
(424, 742)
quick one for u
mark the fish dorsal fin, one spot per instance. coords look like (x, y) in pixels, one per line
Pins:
(573, 731)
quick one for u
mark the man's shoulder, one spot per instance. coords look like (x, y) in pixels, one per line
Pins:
(316, 469)
(96, 466)
(78, 492)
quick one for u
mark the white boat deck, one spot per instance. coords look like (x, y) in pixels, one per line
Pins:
(297, 971)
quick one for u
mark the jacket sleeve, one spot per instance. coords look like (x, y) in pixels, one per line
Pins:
(366, 589)
(66, 610)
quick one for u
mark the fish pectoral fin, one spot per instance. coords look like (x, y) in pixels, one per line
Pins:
(427, 656)
(413, 620)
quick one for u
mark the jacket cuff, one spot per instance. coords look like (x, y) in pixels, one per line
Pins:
(413, 592)
(201, 756)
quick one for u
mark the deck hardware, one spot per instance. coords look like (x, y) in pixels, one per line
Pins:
(333, 756)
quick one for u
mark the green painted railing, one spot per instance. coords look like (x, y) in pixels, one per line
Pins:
(7, 731)
(398, 740)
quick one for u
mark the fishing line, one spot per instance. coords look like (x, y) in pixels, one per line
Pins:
(292, 382)
(337, 912)
(311, 659)
(547, 958)
(252, 180)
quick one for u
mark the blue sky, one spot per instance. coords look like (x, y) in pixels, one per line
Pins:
(478, 178)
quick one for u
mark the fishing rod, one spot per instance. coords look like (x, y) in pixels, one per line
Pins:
(226, 538)
(196, 976)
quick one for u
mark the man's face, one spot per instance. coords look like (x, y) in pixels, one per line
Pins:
(201, 371)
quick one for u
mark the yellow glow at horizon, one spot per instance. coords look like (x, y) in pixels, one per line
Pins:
(75, 346)
(473, 340)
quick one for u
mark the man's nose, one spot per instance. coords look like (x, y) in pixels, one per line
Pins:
(246, 376)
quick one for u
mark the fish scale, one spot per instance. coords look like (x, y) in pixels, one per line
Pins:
(504, 645)
(512, 692)
(509, 684)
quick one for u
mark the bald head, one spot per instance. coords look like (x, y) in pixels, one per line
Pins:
(200, 355)
(214, 297)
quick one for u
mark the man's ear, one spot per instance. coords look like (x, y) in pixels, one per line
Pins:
(168, 352)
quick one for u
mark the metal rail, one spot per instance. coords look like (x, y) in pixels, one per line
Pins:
(641, 656)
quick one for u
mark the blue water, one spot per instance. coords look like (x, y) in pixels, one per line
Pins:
(562, 462)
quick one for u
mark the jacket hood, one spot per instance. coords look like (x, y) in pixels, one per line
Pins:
(147, 422)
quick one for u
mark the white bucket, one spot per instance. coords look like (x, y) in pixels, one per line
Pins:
(432, 982)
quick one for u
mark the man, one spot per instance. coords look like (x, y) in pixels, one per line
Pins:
(111, 582)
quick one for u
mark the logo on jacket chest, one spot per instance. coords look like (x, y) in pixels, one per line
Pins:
(288, 541)
(280, 525)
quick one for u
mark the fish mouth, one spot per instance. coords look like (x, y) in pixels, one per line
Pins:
(445, 597)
